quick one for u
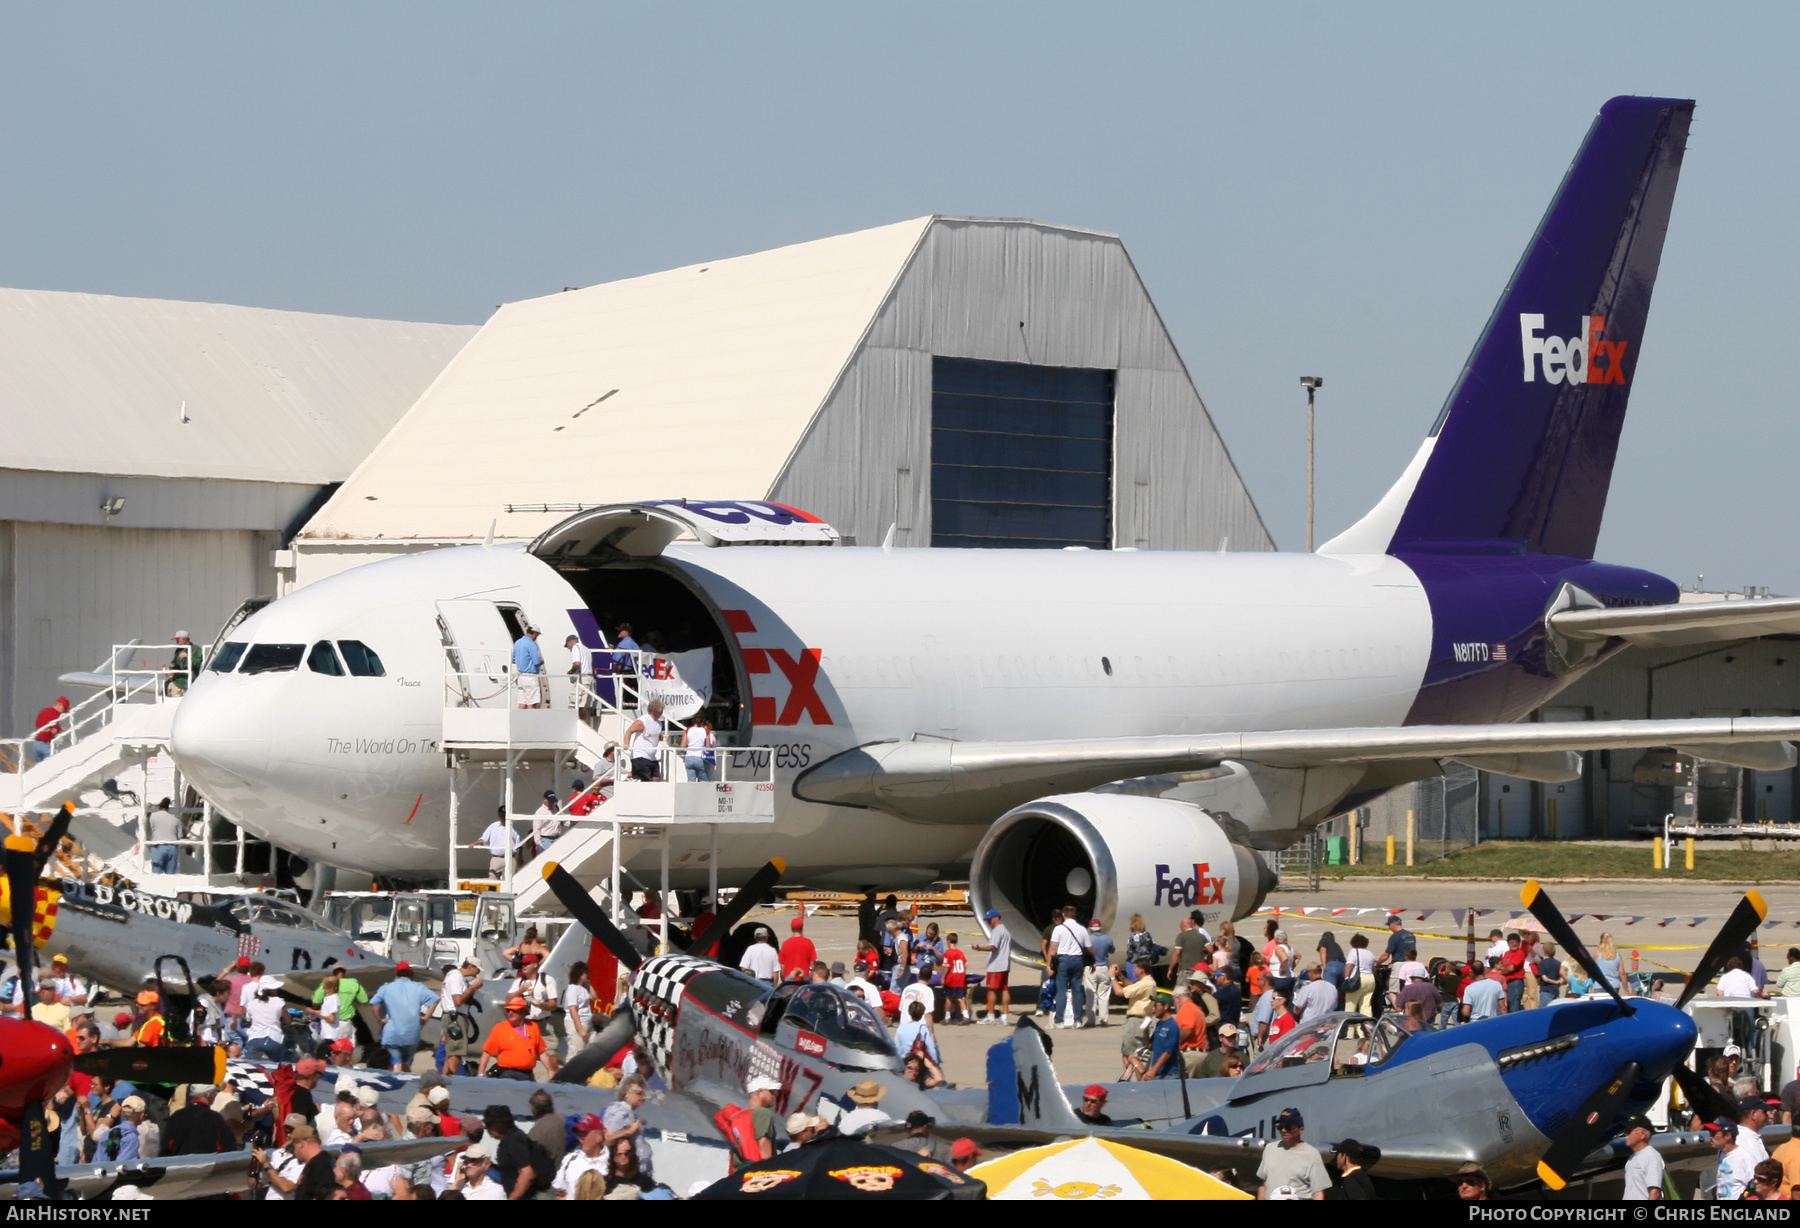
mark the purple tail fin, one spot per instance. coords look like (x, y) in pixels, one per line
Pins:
(1521, 456)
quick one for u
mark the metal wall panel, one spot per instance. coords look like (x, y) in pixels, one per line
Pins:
(1012, 291)
(71, 592)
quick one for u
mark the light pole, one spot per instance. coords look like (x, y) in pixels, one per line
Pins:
(1312, 383)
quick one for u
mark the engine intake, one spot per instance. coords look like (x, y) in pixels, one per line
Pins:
(1113, 855)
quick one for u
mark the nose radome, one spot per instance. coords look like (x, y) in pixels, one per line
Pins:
(221, 733)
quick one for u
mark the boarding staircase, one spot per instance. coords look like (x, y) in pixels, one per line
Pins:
(585, 717)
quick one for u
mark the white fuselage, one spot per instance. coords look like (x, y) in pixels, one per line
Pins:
(954, 644)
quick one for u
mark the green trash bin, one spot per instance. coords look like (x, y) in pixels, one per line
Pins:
(1337, 850)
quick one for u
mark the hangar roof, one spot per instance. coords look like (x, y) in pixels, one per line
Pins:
(91, 383)
(694, 381)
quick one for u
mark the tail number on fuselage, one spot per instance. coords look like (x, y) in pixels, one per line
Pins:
(1466, 653)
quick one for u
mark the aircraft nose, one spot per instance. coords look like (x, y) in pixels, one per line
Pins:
(1663, 1037)
(221, 735)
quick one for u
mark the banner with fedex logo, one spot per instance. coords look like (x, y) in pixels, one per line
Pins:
(682, 680)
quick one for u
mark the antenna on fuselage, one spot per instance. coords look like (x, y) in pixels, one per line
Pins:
(488, 543)
(887, 543)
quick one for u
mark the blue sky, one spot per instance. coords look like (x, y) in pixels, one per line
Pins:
(1306, 189)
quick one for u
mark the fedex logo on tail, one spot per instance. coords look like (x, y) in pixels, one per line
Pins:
(1187, 892)
(1587, 359)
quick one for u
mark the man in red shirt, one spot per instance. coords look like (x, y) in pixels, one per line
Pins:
(956, 980)
(49, 724)
(798, 952)
(1512, 972)
(582, 801)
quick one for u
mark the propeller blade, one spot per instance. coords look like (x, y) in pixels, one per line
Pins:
(618, 1032)
(1537, 900)
(1591, 1126)
(1742, 923)
(1702, 1097)
(726, 919)
(53, 835)
(37, 1142)
(201, 1064)
(21, 881)
(582, 907)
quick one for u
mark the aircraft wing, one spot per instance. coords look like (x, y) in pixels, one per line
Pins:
(199, 1176)
(1698, 622)
(101, 676)
(973, 781)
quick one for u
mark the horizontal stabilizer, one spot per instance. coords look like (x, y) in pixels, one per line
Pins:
(1698, 622)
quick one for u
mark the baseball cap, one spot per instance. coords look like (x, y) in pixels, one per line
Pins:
(420, 1114)
(1165, 997)
(297, 1133)
(1288, 1117)
(587, 1123)
(148, 998)
(992, 913)
(1636, 1120)
(1720, 1125)
(516, 1003)
(1228, 1029)
(478, 1151)
(1094, 1091)
(59, 959)
(243, 962)
(1095, 925)
(801, 1121)
(122, 1019)
(797, 923)
(402, 966)
(919, 1117)
(293, 1119)
(763, 1083)
(549, 795)
(438, 1095)
(342, 1045)
(133, 1104)
(963, 1148)
(1733, 1051)
(1351, 1149)
(1752, 1103)
(368, 1097)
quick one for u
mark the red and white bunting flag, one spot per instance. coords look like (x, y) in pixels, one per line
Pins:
(1664, 923)
(1426, 913)
(1634, 921)
(1574, 917)
(1338, 912)
(1459, 915)
(1695, 921)
(1601, 916)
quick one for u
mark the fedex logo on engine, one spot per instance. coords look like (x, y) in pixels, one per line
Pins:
(1187, 892)
(1587, 359)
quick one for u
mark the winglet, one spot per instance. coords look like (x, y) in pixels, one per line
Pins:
(1529, 892)
(1549, 1176)
(1759, 904)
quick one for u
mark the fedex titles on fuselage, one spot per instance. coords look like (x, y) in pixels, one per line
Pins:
(1574, 359)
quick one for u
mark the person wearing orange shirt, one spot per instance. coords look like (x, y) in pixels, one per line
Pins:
(513, 1048)
(1192, 1022)
(798, 953)
(150, 1031)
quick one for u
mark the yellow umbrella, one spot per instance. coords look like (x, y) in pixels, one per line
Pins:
(1091, 1168)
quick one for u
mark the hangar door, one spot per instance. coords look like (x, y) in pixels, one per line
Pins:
(1021, 456)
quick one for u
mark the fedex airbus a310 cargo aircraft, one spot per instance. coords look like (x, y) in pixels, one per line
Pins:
(1120, 728)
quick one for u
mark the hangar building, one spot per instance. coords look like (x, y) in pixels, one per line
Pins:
(156, 453)
(962, 381)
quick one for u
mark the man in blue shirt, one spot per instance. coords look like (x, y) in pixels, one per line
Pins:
(1231, 998)
(1165, 1038)
(625, 644)
(528, 664)
(402, 1004)
(1099, 977)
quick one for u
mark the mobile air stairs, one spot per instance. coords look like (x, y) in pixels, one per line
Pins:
(582, 719)
(109, 755)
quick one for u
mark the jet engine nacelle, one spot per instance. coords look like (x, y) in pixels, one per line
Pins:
(1112, 855)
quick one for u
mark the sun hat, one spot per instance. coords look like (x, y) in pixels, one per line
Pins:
(868, 1092)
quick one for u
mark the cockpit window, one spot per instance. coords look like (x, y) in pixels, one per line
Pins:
(1390, 1033)
(322, 660)
(841, 1017)
(1307, 1043)
(228, 656)
(272, 658)
(361, 659)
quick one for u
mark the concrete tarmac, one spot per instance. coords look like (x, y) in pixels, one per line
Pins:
(1092, 1055)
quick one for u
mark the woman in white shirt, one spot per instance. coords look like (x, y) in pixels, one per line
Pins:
(699, 741)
